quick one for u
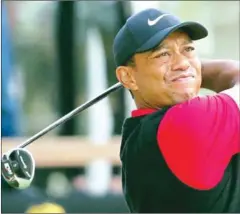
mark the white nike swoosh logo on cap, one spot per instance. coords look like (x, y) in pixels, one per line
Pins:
(153, 22)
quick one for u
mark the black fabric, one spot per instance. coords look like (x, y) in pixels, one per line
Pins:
(150, 187)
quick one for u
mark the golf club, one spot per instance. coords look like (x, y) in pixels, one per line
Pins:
(71, 114)
(18, 165)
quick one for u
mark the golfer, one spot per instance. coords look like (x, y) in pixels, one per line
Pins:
(179, 151)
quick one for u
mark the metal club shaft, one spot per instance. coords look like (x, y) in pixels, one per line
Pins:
(71, 114)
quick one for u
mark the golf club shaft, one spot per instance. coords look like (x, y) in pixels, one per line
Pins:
(71, 114)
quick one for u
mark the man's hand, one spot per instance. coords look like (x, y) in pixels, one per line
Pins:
(220, 75)
(18, 168)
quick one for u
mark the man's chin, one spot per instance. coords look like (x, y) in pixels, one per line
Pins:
(183, 97)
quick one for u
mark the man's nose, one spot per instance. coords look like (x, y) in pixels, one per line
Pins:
(180, 63)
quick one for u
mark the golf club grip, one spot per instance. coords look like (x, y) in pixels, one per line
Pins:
(71, 114)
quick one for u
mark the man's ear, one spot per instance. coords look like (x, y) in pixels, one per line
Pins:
(125, 76)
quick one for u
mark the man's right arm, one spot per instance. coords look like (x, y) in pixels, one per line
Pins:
(220, 75)
(234, 93)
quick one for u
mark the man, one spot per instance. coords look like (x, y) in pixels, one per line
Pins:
(179, 152)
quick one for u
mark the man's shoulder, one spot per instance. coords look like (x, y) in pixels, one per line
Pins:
(199, 109)
(148, 124)
(141, 130)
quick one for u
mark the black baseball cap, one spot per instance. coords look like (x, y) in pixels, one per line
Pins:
(147, 29)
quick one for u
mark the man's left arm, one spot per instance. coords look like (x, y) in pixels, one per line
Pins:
(198, 139)
(219, 75)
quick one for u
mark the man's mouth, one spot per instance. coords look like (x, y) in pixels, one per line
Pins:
(183, 77)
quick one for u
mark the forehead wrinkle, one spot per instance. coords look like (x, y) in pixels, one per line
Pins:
(187, 40)
(159, 47)
(163, 45)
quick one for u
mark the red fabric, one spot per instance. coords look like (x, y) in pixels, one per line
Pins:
(198, 139)
(141, 112)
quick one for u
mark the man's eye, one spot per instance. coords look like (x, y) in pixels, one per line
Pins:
(188, 49)
(162, 54)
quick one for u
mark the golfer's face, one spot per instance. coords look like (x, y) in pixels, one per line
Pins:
(170, 73)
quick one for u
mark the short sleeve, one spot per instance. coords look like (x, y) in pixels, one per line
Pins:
(198, 139)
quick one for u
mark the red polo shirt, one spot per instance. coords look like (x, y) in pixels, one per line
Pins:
(198, 138)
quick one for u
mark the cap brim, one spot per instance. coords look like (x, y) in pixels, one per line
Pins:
(195, 31)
